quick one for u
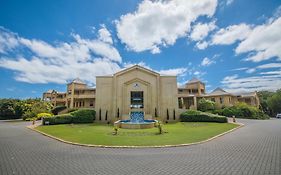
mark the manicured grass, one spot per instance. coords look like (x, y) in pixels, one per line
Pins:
(101, 134)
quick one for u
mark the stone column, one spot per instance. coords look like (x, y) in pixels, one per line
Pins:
(72, 96)
(195, 102)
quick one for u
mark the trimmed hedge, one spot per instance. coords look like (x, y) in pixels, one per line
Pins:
(198, 116)
(83, 116)
(79, 116)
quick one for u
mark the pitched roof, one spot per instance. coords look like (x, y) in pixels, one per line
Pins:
(218, 91)
(136, 67)
(79, 81)
(246, 94)
(50, 91)
(193, 80)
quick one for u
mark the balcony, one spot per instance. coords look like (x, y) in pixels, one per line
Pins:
(85, 96)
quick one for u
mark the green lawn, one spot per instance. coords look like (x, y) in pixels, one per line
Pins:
(101, 134)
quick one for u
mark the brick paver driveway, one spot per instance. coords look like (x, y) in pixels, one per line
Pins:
(253, 149)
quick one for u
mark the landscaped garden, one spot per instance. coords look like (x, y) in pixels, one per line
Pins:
(101, 134)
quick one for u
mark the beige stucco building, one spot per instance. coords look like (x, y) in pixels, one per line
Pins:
(140, 89)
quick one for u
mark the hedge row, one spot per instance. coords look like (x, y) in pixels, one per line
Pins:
(198, 116)
(79, 116)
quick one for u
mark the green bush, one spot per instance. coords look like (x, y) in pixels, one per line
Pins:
(197, 116)
(58, 119)
(206, 105)
(242, 110)
(79, 116)
(83, 116)
(44, 114)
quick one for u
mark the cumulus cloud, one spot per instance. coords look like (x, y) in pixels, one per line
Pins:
(231, 34)
(62, 61)
(37, 71)
(200, 31)
(104, 35)
(263, 43)
(158, 24)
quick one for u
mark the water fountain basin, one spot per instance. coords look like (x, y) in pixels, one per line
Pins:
(136, 121)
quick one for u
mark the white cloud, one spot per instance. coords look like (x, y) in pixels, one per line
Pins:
(271, 73)
(175, 72)
(263, 43)
(202, 45)
(200, 31)
(239, 69)
(8, 40)
(207, 62)
(251, 70)
(231, 34)
(269, 65)
(36, 71)
(253, 83)
(104, 35)
(62, 61)
(199, 73)
(158, 24)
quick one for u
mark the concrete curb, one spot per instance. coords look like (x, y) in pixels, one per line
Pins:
(32, 127)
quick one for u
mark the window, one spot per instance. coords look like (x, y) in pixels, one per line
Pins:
(137, 99)
(91, 103)
(213, 99)
(221, 100)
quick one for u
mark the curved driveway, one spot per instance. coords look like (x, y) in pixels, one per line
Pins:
(252, 149)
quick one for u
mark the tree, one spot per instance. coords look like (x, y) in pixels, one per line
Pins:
(263, 96)
(37, 107)
(7, 109)
(274, 102)
(206, 105)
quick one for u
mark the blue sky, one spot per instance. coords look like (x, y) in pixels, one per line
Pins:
(233, 44)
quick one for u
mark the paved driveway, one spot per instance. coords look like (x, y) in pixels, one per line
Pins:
(253, 149)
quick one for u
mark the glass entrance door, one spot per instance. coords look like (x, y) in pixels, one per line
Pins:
(136, 99)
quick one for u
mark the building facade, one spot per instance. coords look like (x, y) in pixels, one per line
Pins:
(77, 95)
(140, 89)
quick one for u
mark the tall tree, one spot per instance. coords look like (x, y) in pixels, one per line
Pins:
(274, 102)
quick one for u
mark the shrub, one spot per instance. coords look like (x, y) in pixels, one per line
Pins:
(206, 105)
(58, 119)
(197, 116)
(58, 109)
(242, 110)
(79, 116)
(83, 116)
(44, 114)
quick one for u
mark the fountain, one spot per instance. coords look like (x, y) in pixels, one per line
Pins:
(136, 121)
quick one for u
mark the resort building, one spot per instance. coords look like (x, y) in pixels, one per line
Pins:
(77, 95)
(140, 89)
